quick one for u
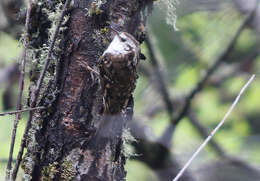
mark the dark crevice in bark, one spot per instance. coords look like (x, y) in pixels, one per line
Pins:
(79, 135)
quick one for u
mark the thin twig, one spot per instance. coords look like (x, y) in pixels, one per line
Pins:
(20, 111)
(19, 102)
(214, 131)
(37, 89)
(203, 131)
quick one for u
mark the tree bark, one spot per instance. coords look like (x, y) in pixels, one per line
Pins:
(89, 98)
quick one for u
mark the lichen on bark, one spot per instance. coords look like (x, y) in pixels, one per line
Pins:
(79, 136)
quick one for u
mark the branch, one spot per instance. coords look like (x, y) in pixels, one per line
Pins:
(165, 138)
(160, 159)
(19, 102)
(214, 131)
(211, 70)
(224, 72)
(37, 89)
(23, 110)
(162, 88)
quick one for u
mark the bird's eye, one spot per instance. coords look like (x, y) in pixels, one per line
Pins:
(123, 39)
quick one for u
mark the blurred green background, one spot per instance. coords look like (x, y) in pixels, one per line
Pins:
(204, 33)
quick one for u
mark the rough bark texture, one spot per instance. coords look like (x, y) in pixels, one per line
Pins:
(79, 136)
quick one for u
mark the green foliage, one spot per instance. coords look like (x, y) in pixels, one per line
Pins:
(138, 171)
(187, 79)
(208, 34)
(184, 57)
(6, 126)
(9, 49)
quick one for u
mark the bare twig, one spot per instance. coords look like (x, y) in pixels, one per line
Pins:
(214, 131)
(20, 111)
(37, 89)
(19, 102)
(204, 134)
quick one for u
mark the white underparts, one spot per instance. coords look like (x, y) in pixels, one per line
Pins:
(123, 45)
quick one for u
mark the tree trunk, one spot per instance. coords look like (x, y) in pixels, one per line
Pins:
(89, 96)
